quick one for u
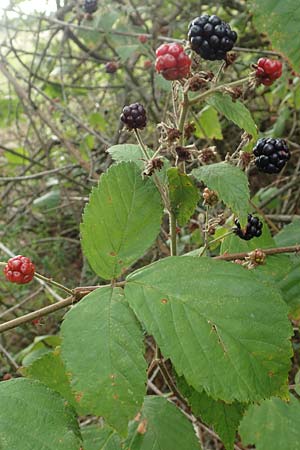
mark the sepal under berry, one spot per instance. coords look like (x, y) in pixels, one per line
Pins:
(211, 37)
(252, 229)
(134, 116)
(19, 269)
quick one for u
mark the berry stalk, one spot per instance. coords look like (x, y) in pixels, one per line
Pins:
(221, 87)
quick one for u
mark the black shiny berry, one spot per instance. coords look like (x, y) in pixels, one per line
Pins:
(271, 154)
(211, 37)
(90, 6)
(134, 116)
(253, 228)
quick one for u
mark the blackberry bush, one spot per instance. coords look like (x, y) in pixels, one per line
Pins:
(223, 328)
(211, 37)
(271, 154)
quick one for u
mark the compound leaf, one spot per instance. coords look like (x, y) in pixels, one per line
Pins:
(184, 195)
(102, 347)
(121, 220)
(234, 111)
(51, 371)
(33, 417)
(224, 329)
(100, 438)
(272, 424)
(161, 426)
(223, 417)
(230, 183)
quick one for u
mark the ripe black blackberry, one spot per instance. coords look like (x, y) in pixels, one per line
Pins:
(253, 228)
(271, 154)
(90, 6)
(211, 37)
(134, 116)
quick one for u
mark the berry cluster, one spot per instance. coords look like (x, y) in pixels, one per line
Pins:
(211, 37)
(90, 6)
(271, 154)
(268, 70)
(19, 269)
(172, 61)
(253, 228)
(134, 116)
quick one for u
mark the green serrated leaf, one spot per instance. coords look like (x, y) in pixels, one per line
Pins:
(280, 20)
(50, 370)
(223, 417)
(290, 287)
(234, 111)
(230, 183)
(121, 220)
(297, 382)
(129, 152)
(208, 125)
(33, 416)
(100, 438)
(289, 235)
(184, 195)
(273, 424)
(106, 365)
(161, 426)
(224, 330)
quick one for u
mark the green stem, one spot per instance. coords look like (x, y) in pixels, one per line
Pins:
(206, 246)
(54, 283)
(214, 89)
(158, 183)
(182, 118)
(172, 222)
(141, 144)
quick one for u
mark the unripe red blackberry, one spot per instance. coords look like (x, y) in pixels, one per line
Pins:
(19, 269)
(172, 61)
(271, 154)
(143, 38)
(253, 228)
(211, 37)
(90, 6)
(268, 70)
(134, 116)
(111, 67)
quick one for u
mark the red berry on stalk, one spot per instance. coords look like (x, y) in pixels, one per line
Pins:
(147, 64)
(143, 38)
(172, 61)
(111, 67)
(268, 70)
(19, 269)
